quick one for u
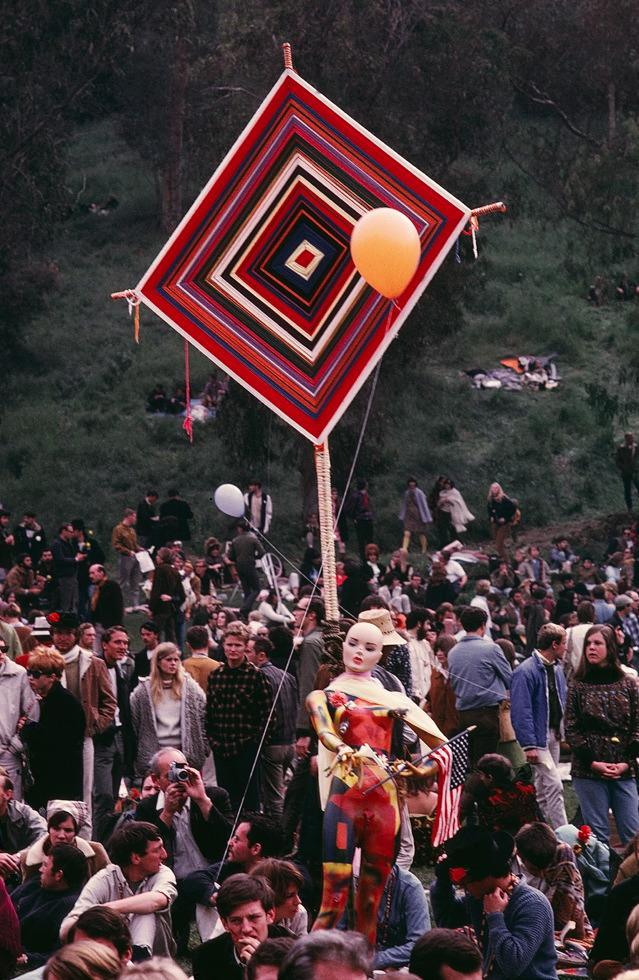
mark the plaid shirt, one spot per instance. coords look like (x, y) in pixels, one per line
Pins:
(630, 625)
(237, 706)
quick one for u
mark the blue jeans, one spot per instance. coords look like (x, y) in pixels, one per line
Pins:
(597, 796)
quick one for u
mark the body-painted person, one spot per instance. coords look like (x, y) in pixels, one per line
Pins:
(354, 720)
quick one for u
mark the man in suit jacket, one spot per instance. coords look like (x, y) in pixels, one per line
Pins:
(195, 822)
(107, 601)
(114, 748)
(147, 519)
(167, 595)
(150, 636)
(177, 508)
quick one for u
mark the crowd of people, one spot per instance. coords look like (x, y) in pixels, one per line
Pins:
(158, 775)
(160, 402)
(601, 290)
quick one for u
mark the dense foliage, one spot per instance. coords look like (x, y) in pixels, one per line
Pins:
(534, 102)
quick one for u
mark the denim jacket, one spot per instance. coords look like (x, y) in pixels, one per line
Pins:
(529, 701)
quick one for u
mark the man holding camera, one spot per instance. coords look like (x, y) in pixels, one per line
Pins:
(194, 821)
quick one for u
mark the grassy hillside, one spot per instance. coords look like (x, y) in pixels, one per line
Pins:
(75, 439)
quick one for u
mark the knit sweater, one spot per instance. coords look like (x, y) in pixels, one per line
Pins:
(602, 721)
(194, 744)
(517, 944)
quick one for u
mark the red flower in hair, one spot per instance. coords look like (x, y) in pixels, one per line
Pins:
(527, 789)
(53, 618)
(336, 698)
(457, 875)
(583, 834)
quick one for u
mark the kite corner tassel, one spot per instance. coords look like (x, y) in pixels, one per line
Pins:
(473, 221)
(133, 301)
(288, 56)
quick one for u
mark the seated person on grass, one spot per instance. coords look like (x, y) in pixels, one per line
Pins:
(137, 883)
(513, 922)
(42, 902)
(246, 908)
(445, 954)
(552, 868)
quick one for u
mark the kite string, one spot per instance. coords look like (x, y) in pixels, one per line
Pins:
(359, 444)
(298, 633)
(297, 637)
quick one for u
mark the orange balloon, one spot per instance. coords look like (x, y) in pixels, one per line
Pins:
(385, 248)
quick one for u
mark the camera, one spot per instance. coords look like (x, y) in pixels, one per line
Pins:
(177, 773)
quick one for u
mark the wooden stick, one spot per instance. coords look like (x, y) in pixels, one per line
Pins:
(327, 539)
(402, 766)
(123, 295)
(488, 209)
(288, 56)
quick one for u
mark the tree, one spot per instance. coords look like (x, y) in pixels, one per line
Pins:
(53, 55)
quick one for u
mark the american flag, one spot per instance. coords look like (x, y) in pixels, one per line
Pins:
(452, 759)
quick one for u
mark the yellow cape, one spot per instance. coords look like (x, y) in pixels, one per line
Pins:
(372, 691)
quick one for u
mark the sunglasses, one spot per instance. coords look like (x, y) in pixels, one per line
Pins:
(4, 648)
(37, 673)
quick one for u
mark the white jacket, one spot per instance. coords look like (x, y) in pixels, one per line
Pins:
(16, 699)
(110, 885)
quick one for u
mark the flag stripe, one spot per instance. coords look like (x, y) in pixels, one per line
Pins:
(452, 760)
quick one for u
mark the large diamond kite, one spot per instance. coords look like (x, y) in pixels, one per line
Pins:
(258, 275)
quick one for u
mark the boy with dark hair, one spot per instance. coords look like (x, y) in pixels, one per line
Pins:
(256, 837)
(513, 922)
(137, 884)
(265, 962)
(552, 868)
(43, 901)
(150, 636)
(245, 904)
(103, 924)
(328, 953)
(445, 954)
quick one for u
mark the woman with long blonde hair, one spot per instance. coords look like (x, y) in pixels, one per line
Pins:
(167, 711)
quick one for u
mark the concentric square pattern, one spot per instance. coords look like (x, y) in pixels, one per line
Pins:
(258, 275)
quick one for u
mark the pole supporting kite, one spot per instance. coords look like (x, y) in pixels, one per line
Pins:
(327, 537)
(133, 300)
(288, 56)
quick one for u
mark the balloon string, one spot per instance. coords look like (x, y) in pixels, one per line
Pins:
(389, 321)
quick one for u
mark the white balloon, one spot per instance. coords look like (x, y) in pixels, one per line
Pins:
(229, 499)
